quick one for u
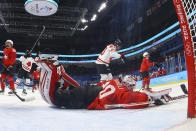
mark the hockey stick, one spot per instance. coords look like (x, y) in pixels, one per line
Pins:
(23, 99)
(37, 39)
(127, 105)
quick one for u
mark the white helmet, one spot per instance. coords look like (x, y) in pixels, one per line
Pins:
(10, 41)
(146, 54)
(129, 82)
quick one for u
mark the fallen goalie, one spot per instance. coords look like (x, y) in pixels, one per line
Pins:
(59, 89)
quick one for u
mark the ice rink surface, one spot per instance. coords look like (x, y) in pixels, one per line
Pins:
(39, 116)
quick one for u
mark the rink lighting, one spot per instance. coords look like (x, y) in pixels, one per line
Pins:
(94, 17)
(85, 27)
(41, 7)
(103, 6)
(84, 20)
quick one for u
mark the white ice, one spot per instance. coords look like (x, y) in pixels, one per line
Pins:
(39, 116)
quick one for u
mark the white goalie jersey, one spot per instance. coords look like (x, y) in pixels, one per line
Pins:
(26, 63)
(107, 54)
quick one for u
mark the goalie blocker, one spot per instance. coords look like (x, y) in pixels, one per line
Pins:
(72, 96)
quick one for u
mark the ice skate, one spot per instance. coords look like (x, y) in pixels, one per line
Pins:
(24, 92)
(11, 92)
(2, 92)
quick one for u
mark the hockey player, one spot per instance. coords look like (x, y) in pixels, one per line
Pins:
(163, 71)
(103, 61)
(144, 70)
(36, 76)
(24, 72)
(115, 91)
(8, 61)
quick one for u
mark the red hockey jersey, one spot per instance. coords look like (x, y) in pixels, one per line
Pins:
(145, 64)
(9, 56)
(114, 93)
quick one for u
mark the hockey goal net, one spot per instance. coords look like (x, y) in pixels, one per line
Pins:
(186, 11)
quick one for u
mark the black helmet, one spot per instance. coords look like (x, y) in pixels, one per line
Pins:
(117, 42)
(27, 53)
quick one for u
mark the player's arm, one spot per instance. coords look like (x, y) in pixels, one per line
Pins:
(149, 63)
(115, 54)
(12, 57)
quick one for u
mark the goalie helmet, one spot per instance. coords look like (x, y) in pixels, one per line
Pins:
(129, 82)
(146, 54)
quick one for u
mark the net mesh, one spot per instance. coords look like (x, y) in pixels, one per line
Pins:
(186, 11)
(190, 10)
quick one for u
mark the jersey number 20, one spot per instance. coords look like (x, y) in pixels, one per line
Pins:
(107, 90)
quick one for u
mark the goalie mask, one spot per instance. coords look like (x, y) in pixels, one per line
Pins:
(129, 82)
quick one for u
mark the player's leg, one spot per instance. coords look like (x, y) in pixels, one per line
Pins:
(144, 83)
(104, 77)
(144, 76)
(27, 83)
(10, 75)
(19, 78)
(148, 82)
(33, 88)
(109, 74)
(102, 70)
(11, 82)
(3, 76)
(17, 82)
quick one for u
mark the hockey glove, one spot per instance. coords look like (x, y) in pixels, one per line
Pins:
(123, 59)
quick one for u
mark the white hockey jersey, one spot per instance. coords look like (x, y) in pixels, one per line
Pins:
(107, 54)
(26, 63)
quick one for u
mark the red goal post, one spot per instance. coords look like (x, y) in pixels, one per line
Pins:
(185, 10)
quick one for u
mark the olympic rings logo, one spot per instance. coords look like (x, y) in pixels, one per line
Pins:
(188, 49)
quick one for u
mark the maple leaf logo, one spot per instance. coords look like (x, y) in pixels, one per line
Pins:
(29, 63)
